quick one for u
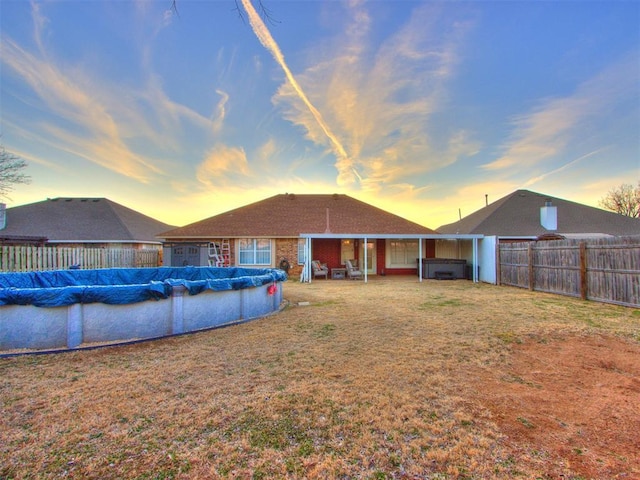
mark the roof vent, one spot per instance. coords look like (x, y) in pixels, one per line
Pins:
(328, 230)
(3, 216)
(549, 216)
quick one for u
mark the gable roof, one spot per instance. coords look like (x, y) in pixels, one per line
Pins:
(289, 215)
(518, 214)
(81, 220)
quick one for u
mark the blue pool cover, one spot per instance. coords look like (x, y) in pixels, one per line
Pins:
(118, 286)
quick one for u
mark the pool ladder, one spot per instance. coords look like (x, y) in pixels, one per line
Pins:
(220, 253)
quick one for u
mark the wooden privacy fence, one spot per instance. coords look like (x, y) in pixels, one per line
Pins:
(30, 258)
(604, 270)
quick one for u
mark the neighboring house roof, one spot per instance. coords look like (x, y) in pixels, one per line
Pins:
(518, 214)
(81, 220)
(289, 215)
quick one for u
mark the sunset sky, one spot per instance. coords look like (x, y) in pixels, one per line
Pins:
(419, 108)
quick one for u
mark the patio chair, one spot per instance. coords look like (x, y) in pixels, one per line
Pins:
(352, 272)
(319, 269)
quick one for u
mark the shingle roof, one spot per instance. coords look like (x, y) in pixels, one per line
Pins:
(82, 220)
(518, 214)
(289, 215)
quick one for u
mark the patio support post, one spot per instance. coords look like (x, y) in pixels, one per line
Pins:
(475, 260)
(307, 259)
(420, 260)
(364, 245)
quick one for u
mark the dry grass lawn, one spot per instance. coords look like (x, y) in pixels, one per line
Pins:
(390, 379)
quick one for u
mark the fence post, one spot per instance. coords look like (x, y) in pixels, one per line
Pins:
(530, 254)
(583, 270)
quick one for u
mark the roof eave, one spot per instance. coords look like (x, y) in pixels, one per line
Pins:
(152, 242)
(436, 236)
(210, 236)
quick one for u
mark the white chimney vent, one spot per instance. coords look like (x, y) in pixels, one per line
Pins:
(3, 215)
(549, 216)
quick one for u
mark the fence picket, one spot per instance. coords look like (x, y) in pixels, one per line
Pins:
(30, 258)
(605, 270)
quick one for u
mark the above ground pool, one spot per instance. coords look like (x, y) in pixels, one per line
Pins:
(69, 308)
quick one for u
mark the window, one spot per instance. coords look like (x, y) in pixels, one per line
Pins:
(301, 250)
(402, 253)
(254, 251)
(347, 251)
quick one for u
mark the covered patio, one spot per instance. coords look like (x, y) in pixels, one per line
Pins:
(372, 263)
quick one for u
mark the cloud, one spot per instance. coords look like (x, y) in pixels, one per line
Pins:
(151, 114)
(263, 34)
(40, 22)
(555, 123)
(380, 98)
(464, 200)
(220, 112)
(101, 140)
(144, 8)
(26, 156)
(542, 134)
(231, 167)
(267, 150)
(562, 168)
(105, 123)
(205, 200)
(223, 166)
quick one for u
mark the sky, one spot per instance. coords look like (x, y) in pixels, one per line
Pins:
(426, 109)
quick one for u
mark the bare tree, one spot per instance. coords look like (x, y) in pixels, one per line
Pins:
(266, 13)
(624, 199)
(267, 16)
(11, 171)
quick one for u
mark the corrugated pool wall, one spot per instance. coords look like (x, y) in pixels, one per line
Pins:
(604, 269)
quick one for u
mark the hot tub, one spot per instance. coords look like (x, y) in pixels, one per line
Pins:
(65, 309)
(443, 268)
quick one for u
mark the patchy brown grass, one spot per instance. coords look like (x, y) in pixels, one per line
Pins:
(390, 379)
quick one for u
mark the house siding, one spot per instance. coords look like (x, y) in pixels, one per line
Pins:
(287, 249)
(381, 255)
(327, 251)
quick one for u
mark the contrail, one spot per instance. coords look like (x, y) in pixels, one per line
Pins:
(263, 34)
(531, 181)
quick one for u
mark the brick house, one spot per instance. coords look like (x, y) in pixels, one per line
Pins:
(277, 231)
